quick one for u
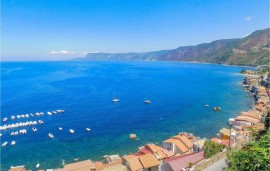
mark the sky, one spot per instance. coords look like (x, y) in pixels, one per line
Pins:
(64, 29)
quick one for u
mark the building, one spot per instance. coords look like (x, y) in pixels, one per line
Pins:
(187, 142)
(159, 152)
(198, 145)
(146, 162)
(133, 163)
(226, 143)
(180, 163)
(86, 165)
(176, 146)
(246, 120)
(17, 168)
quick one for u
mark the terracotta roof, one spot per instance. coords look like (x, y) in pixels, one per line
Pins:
(148, 160)
(85, 165)
(222, 141)
(178, 144)
(18, 168)
(163, 153)
(180, 162)
(114, 167)
(225, 131)
(251, 114)
(247, 119)
(133, 162)
(185, 140)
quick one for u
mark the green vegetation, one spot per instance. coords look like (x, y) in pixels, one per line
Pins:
(254, 156)
(211, 148)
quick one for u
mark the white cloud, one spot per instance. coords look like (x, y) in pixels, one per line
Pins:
(248, 18)
(62, 52)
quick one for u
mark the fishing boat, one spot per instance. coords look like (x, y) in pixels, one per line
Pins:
(37, 166)
(40, 121)
(51, 135)
(12, 117)
(13, 142)
(115, 99)
(22, 115)
(26, 115)
(18, 116)
(49, 113)
(5, 119)
(87, 129)
(71, 131)
(60, 128)
(4, 144)
(206, 105)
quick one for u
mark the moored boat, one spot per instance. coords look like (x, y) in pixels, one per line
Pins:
(13, 142)
(71, 131)
(87, 129)
(4, 144)
(50, 135)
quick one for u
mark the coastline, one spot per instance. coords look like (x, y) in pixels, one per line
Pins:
(183, 130)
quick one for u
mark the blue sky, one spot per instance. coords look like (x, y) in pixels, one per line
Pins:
(62, 29)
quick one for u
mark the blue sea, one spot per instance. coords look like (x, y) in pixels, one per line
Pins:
(85, 89)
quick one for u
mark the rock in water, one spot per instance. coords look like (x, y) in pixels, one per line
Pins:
(132, 136)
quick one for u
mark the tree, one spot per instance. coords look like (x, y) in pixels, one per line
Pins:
(211, 148)
(253, 157)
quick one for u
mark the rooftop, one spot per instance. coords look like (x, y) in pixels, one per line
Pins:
(180, 162)
(148, 160)
(178, 144)
(185, 140)
(85, 165)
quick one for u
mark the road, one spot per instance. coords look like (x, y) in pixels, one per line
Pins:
(217, 166)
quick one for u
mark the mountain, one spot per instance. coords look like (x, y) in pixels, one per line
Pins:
(251, 50)
(155, 55)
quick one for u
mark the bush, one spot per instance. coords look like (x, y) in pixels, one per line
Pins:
(254, 156)
(211, 148)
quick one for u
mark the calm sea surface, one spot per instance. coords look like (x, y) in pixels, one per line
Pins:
(178, 92)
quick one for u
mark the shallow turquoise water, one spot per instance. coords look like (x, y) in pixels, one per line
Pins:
(178, 92)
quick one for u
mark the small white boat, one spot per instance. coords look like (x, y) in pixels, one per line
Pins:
(147, 101)
(206, 105)
(4, 144)
(49, 113)
(51, 135)
(32, 115)
(0, 135)
(12, 117)
(60, 128)
(40, 121)
(13, 142)
(27, 116)
(5, 119)
(18, 116)
(87, 129)
(71, 131)
(22, 115)
(34, 129)
(115, 99)
(41, 113)
(37, 166)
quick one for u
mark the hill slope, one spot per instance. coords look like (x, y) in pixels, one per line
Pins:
(251, 50)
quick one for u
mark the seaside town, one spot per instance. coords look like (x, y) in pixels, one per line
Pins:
(188, 152)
